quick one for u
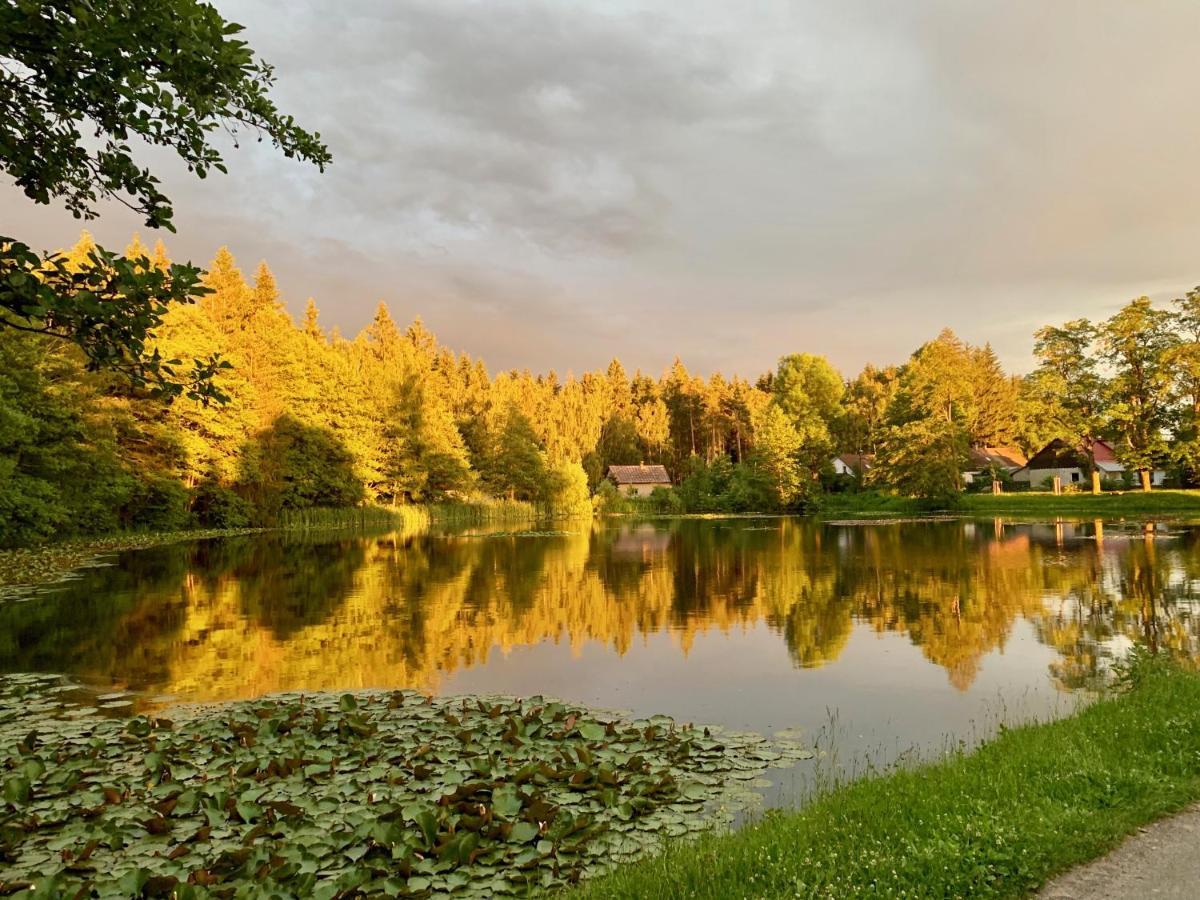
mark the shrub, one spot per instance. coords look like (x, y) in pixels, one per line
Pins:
(157, 503)
(216, 506)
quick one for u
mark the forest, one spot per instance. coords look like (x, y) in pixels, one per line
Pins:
(299, 417)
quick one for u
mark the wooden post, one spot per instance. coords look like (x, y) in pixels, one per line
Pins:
(1057, 485)
(1145, 474)
(1095, 481)
(996, 488)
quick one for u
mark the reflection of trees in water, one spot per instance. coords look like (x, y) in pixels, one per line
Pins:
(954, 588)
(1138, 584)
(250, 615)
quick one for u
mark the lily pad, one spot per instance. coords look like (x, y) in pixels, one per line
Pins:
(372, 793)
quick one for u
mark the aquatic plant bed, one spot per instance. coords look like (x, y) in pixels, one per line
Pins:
(998, 822)
(390, 794)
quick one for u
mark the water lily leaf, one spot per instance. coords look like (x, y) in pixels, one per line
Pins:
(506, 801)
(592, 731)
(523, 832)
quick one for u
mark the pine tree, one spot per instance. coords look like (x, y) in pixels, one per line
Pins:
(312, 325)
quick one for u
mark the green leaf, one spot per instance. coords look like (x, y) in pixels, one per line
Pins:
(17, 789)
(523, 833)
(506, 802)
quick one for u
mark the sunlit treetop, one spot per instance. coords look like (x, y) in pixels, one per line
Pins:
(82, 80)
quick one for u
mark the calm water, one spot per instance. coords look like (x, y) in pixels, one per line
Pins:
(900, 635)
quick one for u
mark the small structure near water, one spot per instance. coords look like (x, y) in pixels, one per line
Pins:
(639, 480)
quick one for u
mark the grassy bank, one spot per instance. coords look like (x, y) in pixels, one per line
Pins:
(1127, 503)
(998, 822)
(872, 504)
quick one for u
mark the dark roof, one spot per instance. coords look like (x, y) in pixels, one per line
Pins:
(1001, 457)
(1058, 454)
(642, 474)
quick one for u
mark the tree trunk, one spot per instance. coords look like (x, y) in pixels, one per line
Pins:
(1095, 481)
(1145, 475)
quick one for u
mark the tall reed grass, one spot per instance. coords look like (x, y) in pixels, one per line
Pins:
(403, 518)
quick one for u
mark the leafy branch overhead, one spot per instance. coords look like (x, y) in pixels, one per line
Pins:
(110, 307)
(81, 81)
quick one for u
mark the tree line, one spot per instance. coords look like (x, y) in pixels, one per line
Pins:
(299, 416)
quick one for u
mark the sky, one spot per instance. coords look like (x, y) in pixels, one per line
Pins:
(552, 184)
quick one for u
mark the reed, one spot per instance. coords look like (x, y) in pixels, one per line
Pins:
(404, 518)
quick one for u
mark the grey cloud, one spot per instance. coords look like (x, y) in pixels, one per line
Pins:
(554, 183)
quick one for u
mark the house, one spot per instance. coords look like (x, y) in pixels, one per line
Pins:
(1071, 464)
(640, 480)
(855, 465)
(989, 459)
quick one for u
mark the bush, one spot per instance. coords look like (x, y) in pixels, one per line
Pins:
(30, 510)
(216, 506)
(665, 501)
(157, 503)
(568, 492)
(723, 486)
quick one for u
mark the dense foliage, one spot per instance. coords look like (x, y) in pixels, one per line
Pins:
(391, 417)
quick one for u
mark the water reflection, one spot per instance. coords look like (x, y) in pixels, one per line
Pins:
(245, 616)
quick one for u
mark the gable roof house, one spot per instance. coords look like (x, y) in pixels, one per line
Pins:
(983, 459)
(853, 464)
(640, 480)
(1071, 464)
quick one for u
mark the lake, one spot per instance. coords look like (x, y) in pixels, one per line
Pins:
(879, 638)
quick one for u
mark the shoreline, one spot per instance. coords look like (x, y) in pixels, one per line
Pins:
(1001, 821)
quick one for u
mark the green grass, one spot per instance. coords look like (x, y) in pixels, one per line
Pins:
(404, 518)
(998, 822)
(867, 504)
(1107, 504)
(871, 504)
(484, 511)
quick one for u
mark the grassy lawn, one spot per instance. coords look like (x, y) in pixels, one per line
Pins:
(870, 504)
(1109, 504)
(997, 822)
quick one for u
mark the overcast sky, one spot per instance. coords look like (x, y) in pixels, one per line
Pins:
(550, 184)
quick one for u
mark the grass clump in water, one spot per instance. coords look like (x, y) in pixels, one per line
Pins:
(997, 822)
